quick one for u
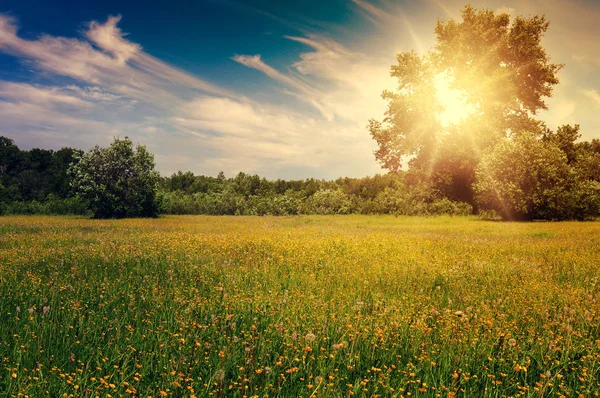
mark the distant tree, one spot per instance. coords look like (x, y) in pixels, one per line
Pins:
(504, 75)
(9, 155)
(181, 182)
(584, 156)
(118, 181)
(10, 161)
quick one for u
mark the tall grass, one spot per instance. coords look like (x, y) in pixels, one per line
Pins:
(298, 306)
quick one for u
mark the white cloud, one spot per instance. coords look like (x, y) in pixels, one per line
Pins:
(92, 93)
(39, 115)
(109, 38)
(23, 92)
(119, 66)
(350, 83)
(255, 62)
(375, 14)
(280, 137)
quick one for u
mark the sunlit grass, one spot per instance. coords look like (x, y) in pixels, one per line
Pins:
(299, 306)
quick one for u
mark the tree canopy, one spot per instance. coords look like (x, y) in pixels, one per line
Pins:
(526, 178)
(464, 116)
(493, 70)
(118, 181)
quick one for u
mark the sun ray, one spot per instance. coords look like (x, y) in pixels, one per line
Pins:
(454, 102)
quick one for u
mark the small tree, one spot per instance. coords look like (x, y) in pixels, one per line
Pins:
(118, 181)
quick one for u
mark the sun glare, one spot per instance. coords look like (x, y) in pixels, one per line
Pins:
(455, 105)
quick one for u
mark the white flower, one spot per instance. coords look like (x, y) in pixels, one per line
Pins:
(340, 346)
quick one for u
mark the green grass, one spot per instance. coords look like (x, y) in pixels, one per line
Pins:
(298, 306)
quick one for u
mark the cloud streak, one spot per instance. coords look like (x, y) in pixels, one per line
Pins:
(255, 62)
(117, 65)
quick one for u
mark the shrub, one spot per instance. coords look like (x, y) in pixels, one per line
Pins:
(328, 201)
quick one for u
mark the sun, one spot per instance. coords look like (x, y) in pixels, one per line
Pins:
(453, 101)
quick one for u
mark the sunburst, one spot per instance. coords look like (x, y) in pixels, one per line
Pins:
(455, 106)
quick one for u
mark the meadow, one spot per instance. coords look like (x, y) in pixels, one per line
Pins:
(311, 306)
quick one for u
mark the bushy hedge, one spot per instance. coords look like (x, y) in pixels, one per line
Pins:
(526, 178)
(326, 201)
(52, 206)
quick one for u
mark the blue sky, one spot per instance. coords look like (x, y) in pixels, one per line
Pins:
(282, 89)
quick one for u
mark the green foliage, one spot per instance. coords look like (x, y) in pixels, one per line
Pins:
(118, 181)
(328, 201)
(231, 203)
(290, 203)
(35, 174)
(417, 201)
(447, 187)
(51, 206)
(446, 206)
(526, 178)
(564, 138)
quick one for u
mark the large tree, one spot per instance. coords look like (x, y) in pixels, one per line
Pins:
(496, 69)
(118, 181)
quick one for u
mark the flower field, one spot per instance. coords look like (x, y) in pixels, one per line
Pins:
(314, 306)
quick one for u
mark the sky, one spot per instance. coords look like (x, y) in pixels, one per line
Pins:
(281, 89)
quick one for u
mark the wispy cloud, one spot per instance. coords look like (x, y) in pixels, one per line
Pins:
(181, 116)
(118, 65)
(28, 93)
(283, 138)
(350, 83)
(255, 62)
(592, 95)
(110, 38)
(389, 19)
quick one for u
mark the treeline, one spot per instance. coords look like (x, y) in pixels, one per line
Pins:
(553, 176)
(38, 181)
(185, 193)
(549, 177)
